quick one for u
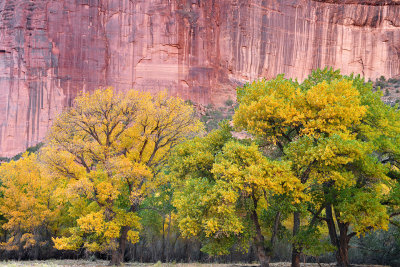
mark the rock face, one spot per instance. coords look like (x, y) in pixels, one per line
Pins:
(50, 50)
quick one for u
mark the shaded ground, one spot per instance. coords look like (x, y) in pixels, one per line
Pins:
(81, 263)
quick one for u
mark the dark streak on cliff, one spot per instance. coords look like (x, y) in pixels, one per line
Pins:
(197, 49)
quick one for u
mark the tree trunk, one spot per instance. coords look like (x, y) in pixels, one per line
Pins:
(172, 247)
(259, 240)
(332, 231)
(331, 226)
(295, 248)
(340, 242)
(263, 257)
(168, 238)
(163, 241)
(342, 254)
(275, 231)
(117, 257)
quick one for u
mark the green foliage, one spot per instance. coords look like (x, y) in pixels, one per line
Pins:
(157, 213)
(335, 131)
(29, 150)
(108, 150)
(213, 116)
(387, 86)
(221, 184)
(378, 247)
(229, 102)
(128, 166)
(312, 242)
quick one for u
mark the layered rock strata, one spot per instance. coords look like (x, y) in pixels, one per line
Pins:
(50, 50)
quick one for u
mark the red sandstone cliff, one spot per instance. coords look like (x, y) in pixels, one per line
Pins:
(198, 49)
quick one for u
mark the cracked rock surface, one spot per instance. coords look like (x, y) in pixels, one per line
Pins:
(50, 50)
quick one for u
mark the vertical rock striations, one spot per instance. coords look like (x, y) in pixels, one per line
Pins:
(50, 50)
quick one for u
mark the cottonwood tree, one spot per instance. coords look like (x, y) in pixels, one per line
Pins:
(364, 200)
(332, 129)
(222, 190)
(280, 113)
(108, 149)
(29, 205)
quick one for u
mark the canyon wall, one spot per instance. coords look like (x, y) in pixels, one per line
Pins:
(50, 50)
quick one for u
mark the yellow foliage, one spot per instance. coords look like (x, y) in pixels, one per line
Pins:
(93, 222)
(28, 202)
(106, 192)
(327, 107)
(364, 212)
(270, 109)
(223, 184)
(112, 230)
(133, 236)
(339, 138)
(68, 243)
(107, 150)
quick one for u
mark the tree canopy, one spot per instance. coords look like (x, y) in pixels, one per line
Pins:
(109, 148)
(339, 138)
(314, 164)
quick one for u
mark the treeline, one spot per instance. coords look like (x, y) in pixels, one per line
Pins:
(313, 175)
